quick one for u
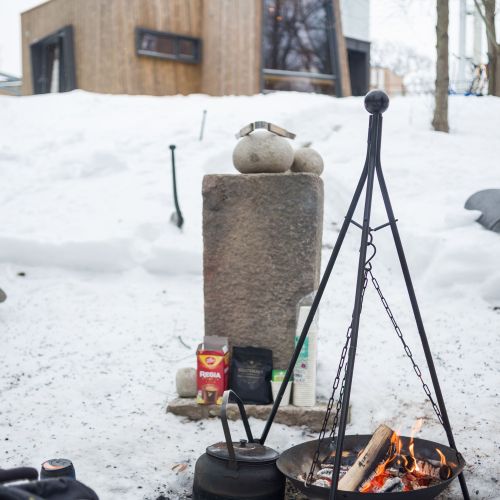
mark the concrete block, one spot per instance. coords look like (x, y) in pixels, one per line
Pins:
(262, 252)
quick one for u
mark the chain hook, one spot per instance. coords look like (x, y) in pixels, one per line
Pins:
(371, 245)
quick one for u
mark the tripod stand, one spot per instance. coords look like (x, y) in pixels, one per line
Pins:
(376, 102)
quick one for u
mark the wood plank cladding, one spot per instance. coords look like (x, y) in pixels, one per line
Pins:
(231, 47)
(106, 58)
(104, 39)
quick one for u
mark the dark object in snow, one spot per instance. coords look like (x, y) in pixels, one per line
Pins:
(488, 203)
(18, 474)
(48, 489)
(176, 217)
(60, 488)
(250, 374)
(3, 296)
(57, 467)
(230, 470)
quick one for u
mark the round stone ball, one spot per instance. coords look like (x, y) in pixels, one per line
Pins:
(307, 160)
(376, 101)
(262, 152)
(185, 382)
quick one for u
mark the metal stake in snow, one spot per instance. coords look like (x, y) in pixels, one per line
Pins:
(176, 217)
(202, 130)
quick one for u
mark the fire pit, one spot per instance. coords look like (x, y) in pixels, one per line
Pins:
(295, 463)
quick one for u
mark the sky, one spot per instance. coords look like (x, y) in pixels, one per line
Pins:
(403, 21)
(10, 33)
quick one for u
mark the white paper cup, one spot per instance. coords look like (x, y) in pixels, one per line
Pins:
(304, 394)
(285, 400)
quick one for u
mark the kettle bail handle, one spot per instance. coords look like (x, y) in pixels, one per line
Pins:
(229, 394)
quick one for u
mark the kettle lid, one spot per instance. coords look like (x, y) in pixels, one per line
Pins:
(244, 452)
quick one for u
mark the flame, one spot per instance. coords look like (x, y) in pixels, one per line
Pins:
(442, 458)
(416, 427)
(411, 448)
(380, 470)
(445, 470)
(405, 462)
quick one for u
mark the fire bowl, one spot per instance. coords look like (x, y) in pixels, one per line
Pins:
(297, 460)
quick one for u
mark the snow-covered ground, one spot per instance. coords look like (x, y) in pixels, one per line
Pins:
(104, 292)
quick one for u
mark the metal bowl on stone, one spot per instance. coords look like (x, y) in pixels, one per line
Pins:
(297, 460)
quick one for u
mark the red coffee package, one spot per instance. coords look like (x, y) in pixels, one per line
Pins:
(212, 375)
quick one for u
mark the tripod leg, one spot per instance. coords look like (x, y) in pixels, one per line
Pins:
(316, 301)
(375, 129)
(418, 319)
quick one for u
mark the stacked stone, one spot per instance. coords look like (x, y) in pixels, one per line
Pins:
(265, 152)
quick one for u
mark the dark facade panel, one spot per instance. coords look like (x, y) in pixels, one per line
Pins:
(166, 45)
(53, 62)
(358, 55)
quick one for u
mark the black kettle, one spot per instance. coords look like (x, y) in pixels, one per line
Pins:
(243, 470)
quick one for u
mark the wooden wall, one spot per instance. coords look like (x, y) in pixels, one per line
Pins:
(232, 50)
(105, 54)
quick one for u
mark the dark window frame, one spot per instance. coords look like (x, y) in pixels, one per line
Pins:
(286, 74)
(64, 38)
(176, 38)
(359, 48)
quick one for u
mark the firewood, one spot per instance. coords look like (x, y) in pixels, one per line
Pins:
(374, 452)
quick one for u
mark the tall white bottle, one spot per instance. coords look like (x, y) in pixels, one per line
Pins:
(304, 374)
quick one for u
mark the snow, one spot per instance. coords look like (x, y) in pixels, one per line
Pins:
(104, 290)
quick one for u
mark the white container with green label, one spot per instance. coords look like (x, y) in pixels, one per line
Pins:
(304, 374)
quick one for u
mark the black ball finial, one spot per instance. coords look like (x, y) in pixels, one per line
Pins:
(376, 101)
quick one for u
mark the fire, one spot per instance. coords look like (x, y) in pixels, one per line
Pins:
(380, 474)
(404, 461)
(413, 466)
(444, 470)
(442, 458)
(402, 469)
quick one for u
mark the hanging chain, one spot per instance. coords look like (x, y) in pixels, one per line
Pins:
(329, 406)
(367, 274)
(406, 348)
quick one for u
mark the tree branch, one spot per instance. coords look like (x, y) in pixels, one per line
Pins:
(489, 23)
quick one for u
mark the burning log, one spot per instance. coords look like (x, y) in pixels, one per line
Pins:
(375, 451)
(384, 466)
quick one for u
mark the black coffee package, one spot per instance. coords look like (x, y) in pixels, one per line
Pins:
(250, 374)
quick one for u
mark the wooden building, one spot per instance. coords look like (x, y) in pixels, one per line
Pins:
(386, 80)
(165, 47)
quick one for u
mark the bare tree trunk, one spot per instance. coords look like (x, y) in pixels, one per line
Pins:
(493, 48)
(440, 120)
(345, 78)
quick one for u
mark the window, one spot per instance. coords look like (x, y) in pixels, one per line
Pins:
(53, 63)
(168, 46)
(297, 46)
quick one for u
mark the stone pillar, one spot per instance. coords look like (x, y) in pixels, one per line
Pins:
(262, 238)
